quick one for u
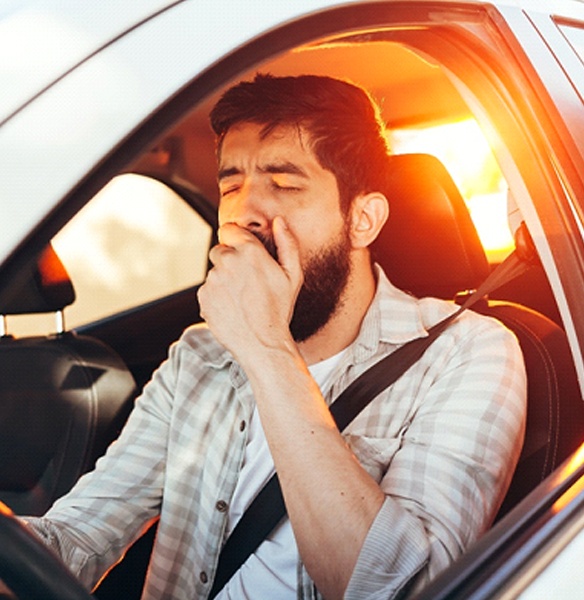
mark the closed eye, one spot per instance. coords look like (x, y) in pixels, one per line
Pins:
(286, 182)
(286, 187)
(225, 191)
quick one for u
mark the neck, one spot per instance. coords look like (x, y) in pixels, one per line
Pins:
(343, 327)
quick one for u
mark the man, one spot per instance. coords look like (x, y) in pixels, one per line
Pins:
(294, 312)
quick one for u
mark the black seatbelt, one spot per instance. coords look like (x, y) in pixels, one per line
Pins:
(268, 508)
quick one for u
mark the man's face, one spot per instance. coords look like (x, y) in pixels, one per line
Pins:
(261, 178)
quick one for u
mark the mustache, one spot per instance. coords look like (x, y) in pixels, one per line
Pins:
(268, 242)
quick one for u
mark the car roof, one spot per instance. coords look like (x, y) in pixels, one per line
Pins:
(42, 40)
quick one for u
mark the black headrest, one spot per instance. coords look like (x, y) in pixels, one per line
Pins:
(46, 288)
(429, 245)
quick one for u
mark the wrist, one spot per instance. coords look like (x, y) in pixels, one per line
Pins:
(260, 358)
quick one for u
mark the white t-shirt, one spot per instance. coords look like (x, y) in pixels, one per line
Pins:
(271, 571)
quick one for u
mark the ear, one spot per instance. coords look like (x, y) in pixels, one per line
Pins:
(369, 213)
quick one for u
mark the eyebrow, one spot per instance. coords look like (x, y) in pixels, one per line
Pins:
(285, 167)
(227, 172)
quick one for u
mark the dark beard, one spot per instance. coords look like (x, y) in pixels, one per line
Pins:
(325, 277)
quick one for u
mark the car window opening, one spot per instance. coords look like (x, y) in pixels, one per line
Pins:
(463, 149)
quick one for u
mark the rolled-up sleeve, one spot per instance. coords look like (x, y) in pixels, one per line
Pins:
(91, 527)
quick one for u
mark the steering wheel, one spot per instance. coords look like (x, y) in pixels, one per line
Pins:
(29, 569)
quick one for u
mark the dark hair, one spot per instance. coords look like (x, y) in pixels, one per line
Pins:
(345, 129)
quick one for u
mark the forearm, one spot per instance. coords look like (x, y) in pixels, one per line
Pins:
(321, 479)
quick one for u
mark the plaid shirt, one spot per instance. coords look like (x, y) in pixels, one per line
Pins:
(441, 442)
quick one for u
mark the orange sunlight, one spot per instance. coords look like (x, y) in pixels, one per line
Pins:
(465, 152)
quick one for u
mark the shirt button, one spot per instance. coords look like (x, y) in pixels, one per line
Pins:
(242, 426)
(203, 577)
(221, 506)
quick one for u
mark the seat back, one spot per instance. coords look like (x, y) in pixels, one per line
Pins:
(63, 397)
(430, 247)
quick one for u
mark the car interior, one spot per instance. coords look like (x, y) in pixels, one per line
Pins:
(66, 393)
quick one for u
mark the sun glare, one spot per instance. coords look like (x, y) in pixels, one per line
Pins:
(465, 152)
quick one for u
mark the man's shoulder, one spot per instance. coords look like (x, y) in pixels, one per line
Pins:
(428, 311)
(473, 334)
(198, 341)
(436, 309)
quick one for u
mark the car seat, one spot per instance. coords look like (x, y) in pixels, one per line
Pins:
(430, 247)
(63, 397)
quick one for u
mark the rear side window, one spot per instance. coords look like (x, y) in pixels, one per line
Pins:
(135, 241)
(465, 152)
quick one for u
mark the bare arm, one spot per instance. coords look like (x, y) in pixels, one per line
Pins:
(322, 481)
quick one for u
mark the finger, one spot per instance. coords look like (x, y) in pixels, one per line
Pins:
(217, 252)
(223, 232)
(288, 250)
(231, 234)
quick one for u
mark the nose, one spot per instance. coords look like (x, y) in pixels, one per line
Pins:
(245, 207)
